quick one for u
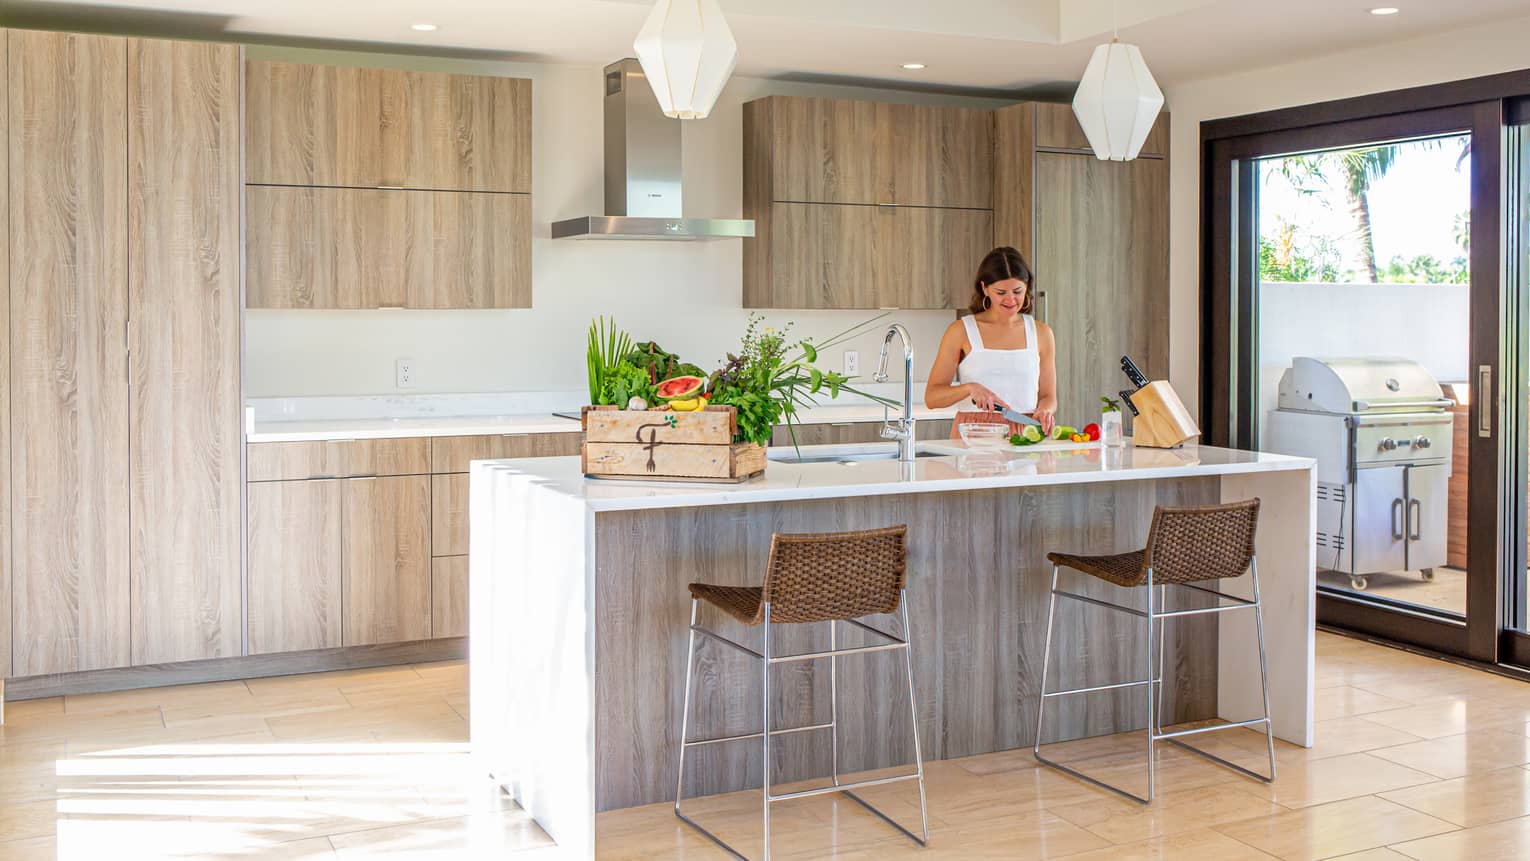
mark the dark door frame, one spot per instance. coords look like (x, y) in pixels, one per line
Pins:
(1229, 254)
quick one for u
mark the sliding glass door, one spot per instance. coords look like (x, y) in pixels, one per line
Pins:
(1353, 311)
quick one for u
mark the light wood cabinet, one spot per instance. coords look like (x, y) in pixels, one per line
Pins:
(449, 514)
(449, 596)
(339, 562)
(377, 248)
(869, 256)
(5, 387)
(296, 559)
(1014, 164)
(386, 548)
(1102, 261)
(350, 458)
(864, 204)
(68, 197)
(183, 304)
(352, 127)
(456, 453)
(858, 152)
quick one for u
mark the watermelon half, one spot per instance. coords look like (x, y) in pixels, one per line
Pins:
(680, 388)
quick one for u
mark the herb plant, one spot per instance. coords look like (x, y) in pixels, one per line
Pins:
(770, 378)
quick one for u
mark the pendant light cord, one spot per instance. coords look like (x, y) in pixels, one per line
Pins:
(1115, 20)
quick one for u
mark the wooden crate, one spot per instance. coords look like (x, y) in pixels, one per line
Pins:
(667, 444)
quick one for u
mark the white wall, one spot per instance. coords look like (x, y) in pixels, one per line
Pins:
(1467, 53)
(1428, 323)
(684, 295)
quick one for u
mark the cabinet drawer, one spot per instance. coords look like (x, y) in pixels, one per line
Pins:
(454, 453)
(448, 596)
(449, 514)
(287, 461)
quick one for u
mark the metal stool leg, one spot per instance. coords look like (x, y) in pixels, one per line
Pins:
(913, 714)
(1046, 661)
(1147, 682)
(765, 732)
(1163, 635)
(913, 717)
(834, 700)
(685, 710)
(1269, 733)
(1152, 711)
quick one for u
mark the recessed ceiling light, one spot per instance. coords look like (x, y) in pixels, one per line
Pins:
(423, 28)
(913, 67)
(1384, 10)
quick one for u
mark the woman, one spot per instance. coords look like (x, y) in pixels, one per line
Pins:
(998, 356)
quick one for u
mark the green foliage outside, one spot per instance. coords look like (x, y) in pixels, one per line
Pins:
(1289, 253)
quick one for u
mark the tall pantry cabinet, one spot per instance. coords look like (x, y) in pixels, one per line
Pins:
(122, 203)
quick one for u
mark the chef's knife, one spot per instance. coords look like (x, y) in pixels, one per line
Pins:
(1133, 372)
(1126, 395)
(1018, 417)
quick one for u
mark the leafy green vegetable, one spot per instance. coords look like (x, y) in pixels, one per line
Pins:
(1109, 405)
(659, 364)
(623, 382)
(606, 349)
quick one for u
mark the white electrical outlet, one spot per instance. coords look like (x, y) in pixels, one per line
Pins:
(403, 373)
(852, 363)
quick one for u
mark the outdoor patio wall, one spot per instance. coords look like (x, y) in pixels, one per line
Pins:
(1435, 58)
(1427, 323)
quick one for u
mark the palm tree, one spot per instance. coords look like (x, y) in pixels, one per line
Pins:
(1360, 169)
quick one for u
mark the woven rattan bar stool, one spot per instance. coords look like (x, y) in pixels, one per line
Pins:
(828, 577)
(1185, 546)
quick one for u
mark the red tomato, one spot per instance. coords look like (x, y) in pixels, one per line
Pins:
(1092, 431)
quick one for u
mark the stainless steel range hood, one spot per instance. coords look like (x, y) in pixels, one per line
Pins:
(643, 172)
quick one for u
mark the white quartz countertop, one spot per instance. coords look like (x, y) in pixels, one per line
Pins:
(942, 466)
(545, 422)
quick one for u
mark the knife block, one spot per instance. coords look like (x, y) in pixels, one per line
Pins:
(1162, 420)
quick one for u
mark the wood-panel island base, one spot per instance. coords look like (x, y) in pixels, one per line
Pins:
(579, 612)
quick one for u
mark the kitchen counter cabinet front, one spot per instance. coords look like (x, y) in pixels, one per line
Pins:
(579, 610)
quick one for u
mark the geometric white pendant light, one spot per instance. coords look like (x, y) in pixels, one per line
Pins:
(1117, 101)
(687, 53)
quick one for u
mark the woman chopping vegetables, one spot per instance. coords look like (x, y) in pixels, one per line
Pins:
(997, 357)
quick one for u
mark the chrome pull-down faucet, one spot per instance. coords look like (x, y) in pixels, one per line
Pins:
(903, 430)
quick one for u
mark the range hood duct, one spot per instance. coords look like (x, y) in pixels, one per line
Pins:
(643, 172)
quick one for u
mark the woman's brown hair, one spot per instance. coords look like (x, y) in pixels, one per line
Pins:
(1002, 264)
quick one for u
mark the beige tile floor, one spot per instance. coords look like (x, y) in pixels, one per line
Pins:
(1414, 758)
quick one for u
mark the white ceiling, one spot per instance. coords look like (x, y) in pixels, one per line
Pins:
(1004, 45)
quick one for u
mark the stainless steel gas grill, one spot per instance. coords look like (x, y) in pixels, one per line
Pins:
(1380, 432)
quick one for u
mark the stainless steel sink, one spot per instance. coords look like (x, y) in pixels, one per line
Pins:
(847, 457)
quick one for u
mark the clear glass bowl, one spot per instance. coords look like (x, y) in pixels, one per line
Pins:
(983, 434)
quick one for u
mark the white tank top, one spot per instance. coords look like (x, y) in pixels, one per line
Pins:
(1013, 375)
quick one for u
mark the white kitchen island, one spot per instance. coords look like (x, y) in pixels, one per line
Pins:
(579, 615)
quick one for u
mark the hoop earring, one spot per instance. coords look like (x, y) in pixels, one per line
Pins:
(987, 302)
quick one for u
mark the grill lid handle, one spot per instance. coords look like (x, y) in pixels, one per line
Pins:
(1442, 403)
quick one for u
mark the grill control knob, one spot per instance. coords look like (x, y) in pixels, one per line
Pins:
(1422, 442)
(1387, 443)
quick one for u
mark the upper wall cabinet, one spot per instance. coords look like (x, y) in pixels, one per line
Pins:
(864, 204)
(370, 128)
(366, 248)
(373, 188)
(847, 151)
